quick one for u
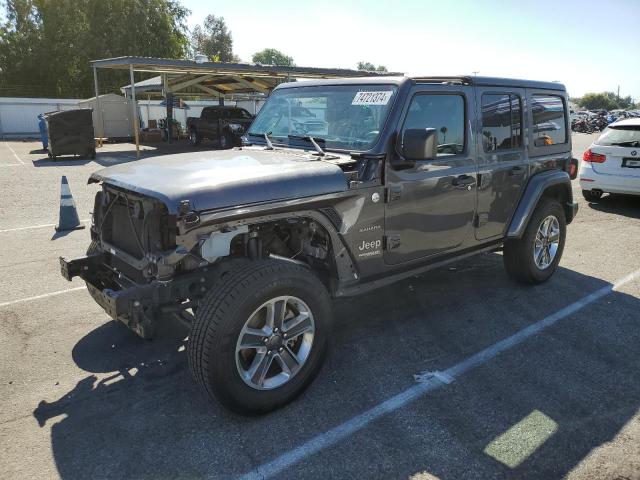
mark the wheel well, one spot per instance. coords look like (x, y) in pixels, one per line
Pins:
(561, 193)
(299, 240)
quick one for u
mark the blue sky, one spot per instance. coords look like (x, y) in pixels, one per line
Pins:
(587, 45)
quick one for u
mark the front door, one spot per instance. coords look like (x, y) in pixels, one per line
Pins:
(430, 207)
(503, 167)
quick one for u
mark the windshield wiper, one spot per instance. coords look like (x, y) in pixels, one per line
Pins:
(265, 136)
(268, 140)
(312, 141)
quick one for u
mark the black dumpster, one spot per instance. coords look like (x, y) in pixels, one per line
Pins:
(70, 132)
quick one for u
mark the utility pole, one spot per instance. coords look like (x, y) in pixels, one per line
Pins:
(618, 92)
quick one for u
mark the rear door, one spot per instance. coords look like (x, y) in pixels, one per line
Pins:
(503, 167)
(621, 146)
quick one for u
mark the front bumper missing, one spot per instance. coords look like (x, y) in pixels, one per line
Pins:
(139, 305)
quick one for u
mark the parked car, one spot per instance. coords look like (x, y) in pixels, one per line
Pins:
(612, 162)
(222, 124)
(249, 245)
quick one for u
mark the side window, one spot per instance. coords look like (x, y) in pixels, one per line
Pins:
(501, 122)
(549, 123)
(445, 113)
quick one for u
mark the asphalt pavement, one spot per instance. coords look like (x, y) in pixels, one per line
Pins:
(82, 397)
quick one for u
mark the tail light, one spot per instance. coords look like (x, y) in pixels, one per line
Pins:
(589, 156)
(573, 168)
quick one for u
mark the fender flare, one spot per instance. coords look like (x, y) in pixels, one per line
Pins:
(534, 190)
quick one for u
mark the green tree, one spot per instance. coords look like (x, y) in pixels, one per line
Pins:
(213, 39)
(605, 100)
(46, 45)
(370, 67)
(271, 56)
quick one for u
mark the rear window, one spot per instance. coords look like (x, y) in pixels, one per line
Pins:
(549, 123)
(622, 136)
(501, 122)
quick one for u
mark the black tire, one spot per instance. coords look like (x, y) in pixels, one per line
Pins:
(591, 195)
(194, 137)
(518, 254)
(221, 316)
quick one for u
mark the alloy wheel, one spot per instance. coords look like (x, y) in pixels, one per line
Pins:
(546, 242)
(275, 342)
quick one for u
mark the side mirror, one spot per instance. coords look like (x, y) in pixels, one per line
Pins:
(420, 144)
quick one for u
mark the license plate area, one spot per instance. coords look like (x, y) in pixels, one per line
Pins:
(631, 162)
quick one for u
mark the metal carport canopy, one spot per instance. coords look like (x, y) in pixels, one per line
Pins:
(214, 79)
(217, 79)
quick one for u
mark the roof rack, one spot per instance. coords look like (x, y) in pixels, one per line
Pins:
(462, 80)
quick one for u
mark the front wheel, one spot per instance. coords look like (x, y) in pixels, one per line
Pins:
(260, 335)
(535, 257)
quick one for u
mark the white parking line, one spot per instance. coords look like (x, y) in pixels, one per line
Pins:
(12, 165)
(31, 227)
(38, 297)
(427, 381)
(14, 153)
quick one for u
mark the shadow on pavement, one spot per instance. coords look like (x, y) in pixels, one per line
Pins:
(148, 419)
(625, 205)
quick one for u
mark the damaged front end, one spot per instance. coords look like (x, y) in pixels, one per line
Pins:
(148, 267)
(133, 268)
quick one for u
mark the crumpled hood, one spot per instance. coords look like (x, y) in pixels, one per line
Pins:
(227, 178)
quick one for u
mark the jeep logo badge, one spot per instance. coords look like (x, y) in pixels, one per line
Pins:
(370, 245)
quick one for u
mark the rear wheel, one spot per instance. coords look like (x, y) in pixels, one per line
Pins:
(591, 195)
(260, 335)
(535, 257)
(194, 137)
(225, 142)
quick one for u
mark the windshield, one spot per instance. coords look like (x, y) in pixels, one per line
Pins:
(347, 117)
(621, 136)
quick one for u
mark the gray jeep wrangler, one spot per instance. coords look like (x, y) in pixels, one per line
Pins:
(395, 176)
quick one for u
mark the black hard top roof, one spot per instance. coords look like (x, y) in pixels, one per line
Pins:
(492, 82)
(451, 80)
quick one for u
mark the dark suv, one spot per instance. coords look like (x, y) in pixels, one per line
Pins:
(248, 246)
(222, 124)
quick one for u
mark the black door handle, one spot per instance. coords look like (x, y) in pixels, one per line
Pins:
(517, 171)
(463, 181)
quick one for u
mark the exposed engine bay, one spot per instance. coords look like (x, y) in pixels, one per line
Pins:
(141, 237)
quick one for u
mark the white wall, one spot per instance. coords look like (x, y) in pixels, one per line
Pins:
(19, 116)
